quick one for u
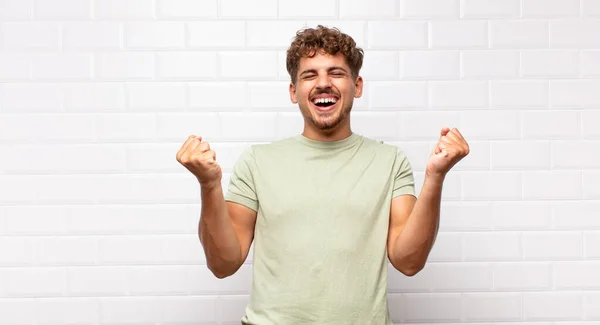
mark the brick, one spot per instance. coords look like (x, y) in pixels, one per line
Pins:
(461, 276)
(186, 65)
(62, 66)
(520, 34)
(98, 280)
(424, 125)
(551, 185)
(248, 127)
(17, 190)
(574, 93)
(126, 127)
(591, 239)
(544, 245)
(590, 8)
(132, 219)
(21, 311)
(217, 95)
(397, 95)
(465, 216)
(520, 155)
(429, 9)
(157, 188)
(490, 9)
(91, 35)
(447, 248)
(94, 97)
(380, 125)
(124, 9)
(243, 65)
(459, 94)
(15, 10)
(24, 159)
(154, 35)
(188, 310)
(230, 309)
(380, 65)
(478, 159)
(519, 94)
(62, 9)
(17, 251)
(487, 64)
(309, 9)
(74, 189)
(69, 310)
(156, 96)
(65, 128)
(575, 154)
(502, 185)
(589, 124)
(130, 250)
(177, 127)
(14, 66)
(576, 275)
(186, 9)
(459, 34)
(66, 251)
(574, 33)
(492, 306)
(576, 215)
(270, 96)
(379, 9)
(129, 310)
(32, 220)
(409, 35)
(522, 276)
(552, 125)
(288, 124)
(253, 9)
(227, 34)
(550, 9)
(428, 65)
(591, 304)
(590, 188)
(553, 306)
(35, 282)
(590, 63)
(549, 64)
(432, 307)
(31, 97)
(30, 36)
(489, 125)
(280, 33)
(355, 29)
(124, 65)
(505, 246)
(521, 215)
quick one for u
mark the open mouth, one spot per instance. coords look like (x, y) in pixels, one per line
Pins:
(325, 103)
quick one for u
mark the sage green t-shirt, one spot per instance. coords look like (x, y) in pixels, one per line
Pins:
(320, 254)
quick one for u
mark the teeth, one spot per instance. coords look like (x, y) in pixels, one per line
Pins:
(325, 100)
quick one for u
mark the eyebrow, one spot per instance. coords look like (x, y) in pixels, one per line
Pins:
(328, 70)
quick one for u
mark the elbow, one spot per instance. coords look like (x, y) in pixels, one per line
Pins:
(222, 272)
(409, 268)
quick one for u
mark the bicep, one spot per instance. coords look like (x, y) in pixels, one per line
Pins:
(244, 221)
(400, 210)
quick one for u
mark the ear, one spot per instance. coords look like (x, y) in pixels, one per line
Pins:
(293, 93)
(358, 87)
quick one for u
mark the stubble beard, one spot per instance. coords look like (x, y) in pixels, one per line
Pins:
(330, 123)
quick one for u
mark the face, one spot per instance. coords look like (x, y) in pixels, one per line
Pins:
(325, 91)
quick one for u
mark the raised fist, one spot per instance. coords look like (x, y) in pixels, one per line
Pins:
(200, 160)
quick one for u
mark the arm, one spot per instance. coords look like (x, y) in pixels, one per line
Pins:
(414, 225)
(226, 231)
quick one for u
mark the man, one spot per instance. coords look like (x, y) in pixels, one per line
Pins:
(327, 208)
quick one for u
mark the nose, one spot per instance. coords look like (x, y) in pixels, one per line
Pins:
(323, 81)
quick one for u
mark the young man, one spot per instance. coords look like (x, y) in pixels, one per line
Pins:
(327, 208)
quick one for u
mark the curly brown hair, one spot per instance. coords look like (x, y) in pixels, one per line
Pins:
(331, 40)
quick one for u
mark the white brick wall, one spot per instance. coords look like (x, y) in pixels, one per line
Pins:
(98, 220)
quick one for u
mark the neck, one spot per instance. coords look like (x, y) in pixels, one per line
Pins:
(340, 132)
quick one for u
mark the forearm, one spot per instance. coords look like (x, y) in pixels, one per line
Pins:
(217, 234)
(414, 243)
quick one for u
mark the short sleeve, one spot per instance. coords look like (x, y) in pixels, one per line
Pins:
(241, 188)
(404, 182)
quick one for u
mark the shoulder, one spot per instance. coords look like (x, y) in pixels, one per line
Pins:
(383, 146)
